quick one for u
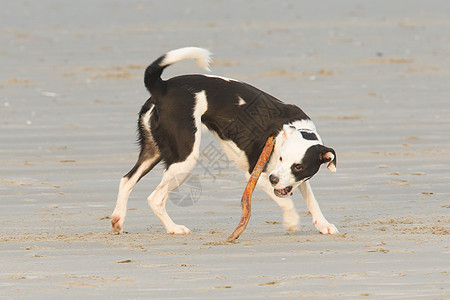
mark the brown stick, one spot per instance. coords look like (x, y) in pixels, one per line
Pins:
(246, 200)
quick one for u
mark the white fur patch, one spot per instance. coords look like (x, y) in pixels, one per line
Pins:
(236, 155)
(220, 77)
(146, 118)
(202, 56)
(201, 106)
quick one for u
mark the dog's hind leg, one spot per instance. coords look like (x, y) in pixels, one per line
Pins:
(177, 172)
(173, 177)
(127, 183)
(149, 157)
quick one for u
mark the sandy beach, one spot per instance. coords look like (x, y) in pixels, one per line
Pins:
(374, 77)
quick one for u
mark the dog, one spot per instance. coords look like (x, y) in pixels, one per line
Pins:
(242, 118)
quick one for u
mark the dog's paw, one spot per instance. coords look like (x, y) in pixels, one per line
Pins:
(179, 229)
(292, 228)
(325, 228)
(291, 221)
(117, 223)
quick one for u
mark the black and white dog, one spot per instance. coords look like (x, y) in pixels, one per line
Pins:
(242, 117)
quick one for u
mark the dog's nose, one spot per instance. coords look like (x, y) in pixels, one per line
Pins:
(273, 179)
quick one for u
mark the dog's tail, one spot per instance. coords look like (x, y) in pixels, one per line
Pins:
(153, 72)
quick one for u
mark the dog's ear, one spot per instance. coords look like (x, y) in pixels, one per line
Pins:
(328, 156)
(288, 130)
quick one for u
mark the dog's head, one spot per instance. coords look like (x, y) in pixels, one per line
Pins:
(300, 156)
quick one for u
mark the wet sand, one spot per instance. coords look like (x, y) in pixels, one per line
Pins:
(372, 75)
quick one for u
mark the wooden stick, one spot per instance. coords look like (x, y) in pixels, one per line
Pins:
(246, 200)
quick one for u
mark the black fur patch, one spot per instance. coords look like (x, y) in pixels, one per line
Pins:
(311, 136)
(311, 162)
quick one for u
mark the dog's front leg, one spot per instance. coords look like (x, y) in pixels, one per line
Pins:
(319, 220)
(290, 216)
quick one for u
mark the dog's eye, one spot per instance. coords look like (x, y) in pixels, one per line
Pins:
(281, 159)
(297, 167)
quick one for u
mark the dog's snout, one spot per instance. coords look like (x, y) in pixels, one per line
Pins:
(274, 179)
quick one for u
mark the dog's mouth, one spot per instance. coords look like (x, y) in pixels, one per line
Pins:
(283, 192)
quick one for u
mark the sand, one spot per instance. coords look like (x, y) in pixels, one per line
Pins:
(373, 76)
